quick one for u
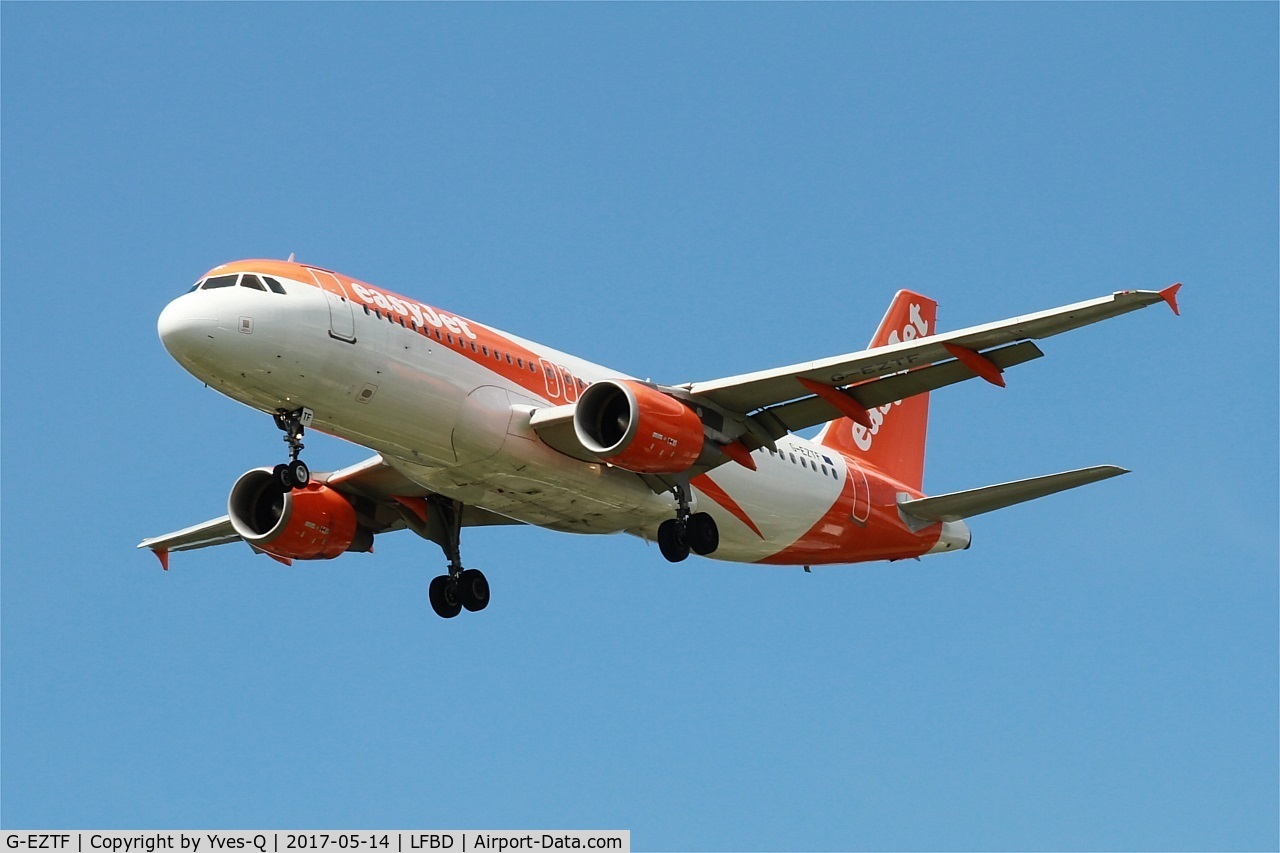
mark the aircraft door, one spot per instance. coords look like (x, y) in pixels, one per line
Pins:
(570, 386)
(552, 378)
(861, 492)
(342, 322)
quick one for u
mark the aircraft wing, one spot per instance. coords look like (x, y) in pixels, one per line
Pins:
(384, 500)
(217, 531)
(968, 352)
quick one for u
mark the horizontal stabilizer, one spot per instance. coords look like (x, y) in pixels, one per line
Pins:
(958, 505)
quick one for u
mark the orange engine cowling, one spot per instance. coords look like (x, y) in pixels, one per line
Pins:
(311, 523)
(637, 427)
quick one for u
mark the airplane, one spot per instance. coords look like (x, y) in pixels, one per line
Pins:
(473, 426)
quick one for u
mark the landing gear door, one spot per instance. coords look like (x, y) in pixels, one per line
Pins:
(342, 321)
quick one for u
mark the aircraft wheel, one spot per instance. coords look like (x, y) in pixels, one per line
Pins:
(281, 476)
(299, 473)
(473, 590)
(703, 535)
(673, 542)
(443, 593)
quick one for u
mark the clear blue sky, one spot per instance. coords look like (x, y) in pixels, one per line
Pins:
(682, 192)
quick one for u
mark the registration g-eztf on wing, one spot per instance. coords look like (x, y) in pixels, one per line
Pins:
(473, 426)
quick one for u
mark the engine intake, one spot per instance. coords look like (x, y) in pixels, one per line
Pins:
(311, 523)
(637, 427)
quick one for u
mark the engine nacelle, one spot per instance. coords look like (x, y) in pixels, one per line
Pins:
(311, 523)
(637, 427)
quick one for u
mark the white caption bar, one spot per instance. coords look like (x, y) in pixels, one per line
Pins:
(293, 841)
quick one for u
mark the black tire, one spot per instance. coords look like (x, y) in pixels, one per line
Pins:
(702, 533)
(281, 477)
(672, 540)
(299, 473)
(443, 593)
(473, 590)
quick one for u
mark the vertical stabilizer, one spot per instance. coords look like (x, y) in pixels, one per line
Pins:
(894, 443)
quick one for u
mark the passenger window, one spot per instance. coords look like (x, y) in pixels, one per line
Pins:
(803, 463)
(219, 281)
(793, 458)
(509, 359)
(252, 282)
(519, 361)
(485, 350)
(824, 470)
(450, 337)
(473, 347)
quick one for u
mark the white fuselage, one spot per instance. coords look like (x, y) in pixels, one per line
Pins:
(451, 421)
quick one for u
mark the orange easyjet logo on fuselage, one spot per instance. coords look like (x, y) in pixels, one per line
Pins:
(420, 312)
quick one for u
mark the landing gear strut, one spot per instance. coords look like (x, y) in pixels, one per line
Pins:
(294, 474)
(687, 531)
(460, 588)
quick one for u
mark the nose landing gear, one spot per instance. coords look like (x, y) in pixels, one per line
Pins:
(687, 532)
(294, 474)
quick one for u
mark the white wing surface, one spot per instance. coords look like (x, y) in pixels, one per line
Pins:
(749, 392)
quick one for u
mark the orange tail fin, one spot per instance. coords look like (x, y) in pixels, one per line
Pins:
(894, 444)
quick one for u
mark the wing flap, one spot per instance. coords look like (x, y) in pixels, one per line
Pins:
(959, 505)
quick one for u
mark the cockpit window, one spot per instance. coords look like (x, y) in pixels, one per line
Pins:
(253, 281)
(196, 286)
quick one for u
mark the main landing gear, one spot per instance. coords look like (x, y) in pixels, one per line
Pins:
(460, 588)
(687, 531)
(294, 474)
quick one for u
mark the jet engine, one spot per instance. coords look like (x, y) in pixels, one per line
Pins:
(311, 523)
(638, 428)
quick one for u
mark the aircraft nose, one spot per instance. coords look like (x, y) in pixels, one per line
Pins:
(187, 326)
